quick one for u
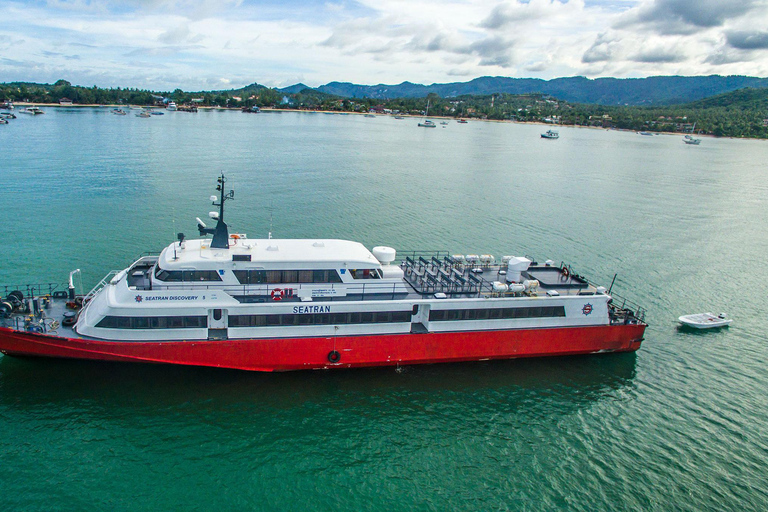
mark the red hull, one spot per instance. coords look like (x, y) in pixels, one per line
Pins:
(353, 351)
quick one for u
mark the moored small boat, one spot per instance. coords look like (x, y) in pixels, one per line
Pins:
(550, 134)
(705, 320)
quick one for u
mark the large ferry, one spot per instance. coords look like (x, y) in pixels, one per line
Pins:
(225, 300)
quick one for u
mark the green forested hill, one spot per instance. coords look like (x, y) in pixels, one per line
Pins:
(740, 113)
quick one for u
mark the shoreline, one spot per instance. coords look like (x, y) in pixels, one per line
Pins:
(337, 112)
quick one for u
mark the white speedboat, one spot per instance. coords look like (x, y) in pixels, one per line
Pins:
(705, 320)
(171, 106)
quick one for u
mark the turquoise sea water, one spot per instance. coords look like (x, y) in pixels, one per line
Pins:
(680, 425)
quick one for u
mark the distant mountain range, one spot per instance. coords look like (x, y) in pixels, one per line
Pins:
(655, 90)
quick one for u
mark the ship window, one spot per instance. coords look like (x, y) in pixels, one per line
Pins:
(250, 276)
(365, 273)
(325, 276)
(194, 321)
(273, 276)
(168, 275)
(290, 276)
(305, 276)
(201, 275)
(401, 316)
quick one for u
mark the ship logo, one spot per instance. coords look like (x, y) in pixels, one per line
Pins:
(587, 309)
(138, 298)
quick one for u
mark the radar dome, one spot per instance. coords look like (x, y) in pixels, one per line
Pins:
(385, 255)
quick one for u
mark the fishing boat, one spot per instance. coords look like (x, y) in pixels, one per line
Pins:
(462, 121)
(3, 120)
(226, 300)
(143, 114)
(705, 320)
(550, 134)
(118, 112)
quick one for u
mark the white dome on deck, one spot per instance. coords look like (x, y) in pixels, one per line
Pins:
(385, 255)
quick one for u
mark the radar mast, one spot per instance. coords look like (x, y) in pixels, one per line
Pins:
(220, 232)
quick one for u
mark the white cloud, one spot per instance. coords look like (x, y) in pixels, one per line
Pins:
(164, 44)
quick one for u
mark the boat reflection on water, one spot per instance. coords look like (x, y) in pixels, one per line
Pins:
(571, 382)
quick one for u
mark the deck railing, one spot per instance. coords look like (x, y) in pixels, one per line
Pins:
(30, 290)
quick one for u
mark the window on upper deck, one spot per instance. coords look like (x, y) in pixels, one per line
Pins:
(366, 273)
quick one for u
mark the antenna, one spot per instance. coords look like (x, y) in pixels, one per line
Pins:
(269, 236)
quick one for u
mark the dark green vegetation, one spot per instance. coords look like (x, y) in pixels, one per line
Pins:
(739, 113)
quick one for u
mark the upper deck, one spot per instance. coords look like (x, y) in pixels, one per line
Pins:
(267, 253)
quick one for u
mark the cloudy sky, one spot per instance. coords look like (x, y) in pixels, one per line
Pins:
(221, 44)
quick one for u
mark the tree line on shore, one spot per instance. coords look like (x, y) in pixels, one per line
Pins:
(741, 113)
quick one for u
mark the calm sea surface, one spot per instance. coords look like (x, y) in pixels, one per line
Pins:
(680, 425)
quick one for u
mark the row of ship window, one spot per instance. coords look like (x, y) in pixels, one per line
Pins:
(251, 276)
(153, 322)
(363, 317)
(366, 317)
(496, 313)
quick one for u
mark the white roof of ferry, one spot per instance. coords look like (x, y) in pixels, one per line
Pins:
(311, 253)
